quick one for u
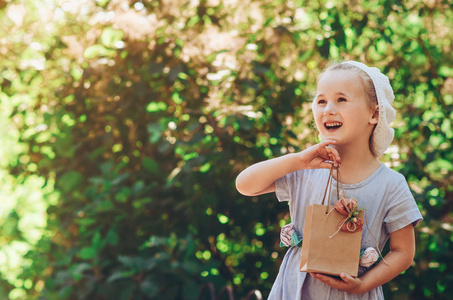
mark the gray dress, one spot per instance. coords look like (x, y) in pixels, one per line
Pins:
(389, 206)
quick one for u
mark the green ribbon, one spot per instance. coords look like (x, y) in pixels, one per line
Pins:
(296, 241)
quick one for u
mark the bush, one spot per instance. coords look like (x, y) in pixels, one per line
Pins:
(132, 121)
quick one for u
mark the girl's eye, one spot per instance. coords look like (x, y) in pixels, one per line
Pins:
(341, 99)
(321, 101)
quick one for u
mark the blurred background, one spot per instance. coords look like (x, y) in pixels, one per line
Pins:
(125, 123)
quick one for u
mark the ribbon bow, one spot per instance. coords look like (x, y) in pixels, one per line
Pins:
(351, 223)
(349, 207)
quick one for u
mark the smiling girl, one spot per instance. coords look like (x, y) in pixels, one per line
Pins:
(352, 110)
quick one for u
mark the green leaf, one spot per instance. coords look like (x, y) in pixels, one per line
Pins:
(155, 132)
(78, 269)
(112, 237)
(123, 195)
(102, 3)
(154, 107)
(126, 260)
(204, 168)
(96, 241)
(446, 71)
(120, 275)
(444, 164)
(105, 206)
(87, 253)
(110, 37)
(150, 165)
(98, 50)
(85, 221)
(69, 181)
(138, 188)
(120, 179)
(136, 263)
(64, 292)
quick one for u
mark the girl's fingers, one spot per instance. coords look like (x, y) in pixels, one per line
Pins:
(327, 143)
(322, 155)
(347, 278)
(326, 164)
(333, 160)
(333, 155)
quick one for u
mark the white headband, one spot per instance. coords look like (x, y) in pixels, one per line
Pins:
(382, 134)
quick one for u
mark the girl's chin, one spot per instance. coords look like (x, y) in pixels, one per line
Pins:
(329, 137)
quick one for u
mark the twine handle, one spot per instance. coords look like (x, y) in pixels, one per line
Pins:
(377, 246)
(329, 180)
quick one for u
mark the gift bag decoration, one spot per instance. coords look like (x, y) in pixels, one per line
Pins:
(332, 236)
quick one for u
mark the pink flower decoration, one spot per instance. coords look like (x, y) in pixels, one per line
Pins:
(286, 234)
(349, 208)
(369, 257)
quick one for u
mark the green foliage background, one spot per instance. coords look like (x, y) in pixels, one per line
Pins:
(125, 123)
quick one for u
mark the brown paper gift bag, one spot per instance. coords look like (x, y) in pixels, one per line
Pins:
(325, 248)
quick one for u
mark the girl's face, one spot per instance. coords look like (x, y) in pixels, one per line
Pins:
(341, 109)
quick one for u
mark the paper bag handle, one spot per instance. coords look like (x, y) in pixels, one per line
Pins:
(328, 186)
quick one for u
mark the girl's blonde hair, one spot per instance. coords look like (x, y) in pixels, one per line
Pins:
(367, 82)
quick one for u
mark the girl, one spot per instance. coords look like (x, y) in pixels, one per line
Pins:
(352, 111)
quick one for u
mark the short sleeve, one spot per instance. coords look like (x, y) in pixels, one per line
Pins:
(283, 189)
(402, 208)
(287, 187)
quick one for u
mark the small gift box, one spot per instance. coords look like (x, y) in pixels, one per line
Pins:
(332, 237)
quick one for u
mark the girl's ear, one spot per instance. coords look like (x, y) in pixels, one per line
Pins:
(375, 116)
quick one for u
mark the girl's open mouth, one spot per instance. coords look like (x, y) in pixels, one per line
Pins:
(333, 125)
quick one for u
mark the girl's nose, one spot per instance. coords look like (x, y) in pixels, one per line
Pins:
(330, 109)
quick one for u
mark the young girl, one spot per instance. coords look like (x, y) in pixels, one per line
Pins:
(352, 111)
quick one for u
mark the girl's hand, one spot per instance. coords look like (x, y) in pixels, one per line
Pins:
(348, 283)
(321, 155)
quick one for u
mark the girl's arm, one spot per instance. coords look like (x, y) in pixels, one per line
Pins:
(399, 259)
(260, 178)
